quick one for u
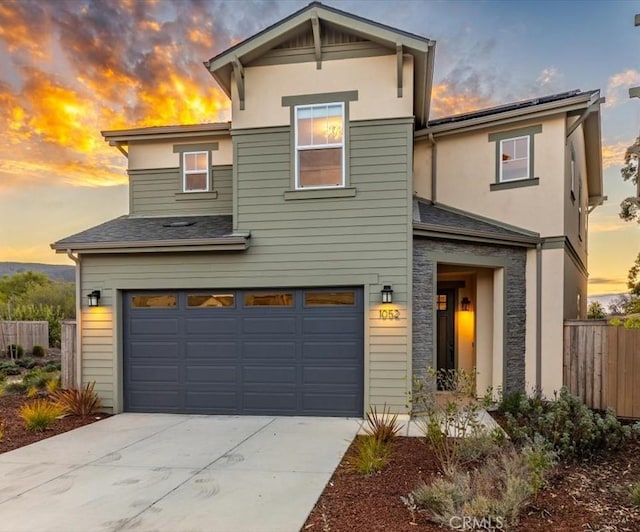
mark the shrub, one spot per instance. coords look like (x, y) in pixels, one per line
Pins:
(38, 351)
(78, 402)
(371, 455)
(571, 428)
(32, 391)
(36, 378)
(493, 494)
(14, 387)
(52, 366)
(40, 414)
(512, 402)
(634, 493)
(14, 351)
(384, 426)
(1, 430)
(26, 363)
(9, 368)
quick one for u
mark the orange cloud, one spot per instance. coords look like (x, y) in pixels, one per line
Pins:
(446, 101)
(613, 154)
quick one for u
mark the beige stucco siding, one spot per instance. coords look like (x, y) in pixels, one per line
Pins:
(552, 319)
(374, 78)
(363, 240)
(466, 167)
(158, 192)
(148, 154)
(576, 235)
(575, 283)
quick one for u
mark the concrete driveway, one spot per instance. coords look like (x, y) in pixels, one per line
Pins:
(164, 472)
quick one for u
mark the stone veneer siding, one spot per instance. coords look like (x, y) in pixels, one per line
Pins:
(424, 270)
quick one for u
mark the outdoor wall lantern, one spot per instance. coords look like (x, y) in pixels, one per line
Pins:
(94, 298)
(387, 293)
(465, 304)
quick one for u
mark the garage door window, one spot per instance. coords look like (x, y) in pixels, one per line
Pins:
(210, 300)
(154, 301)
(329, 299)
(273, 299)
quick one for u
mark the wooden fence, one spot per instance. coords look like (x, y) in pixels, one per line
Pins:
(601, 364)
(68, 353)
(24, 333)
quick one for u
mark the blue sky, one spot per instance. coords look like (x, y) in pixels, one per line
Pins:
(71, 68)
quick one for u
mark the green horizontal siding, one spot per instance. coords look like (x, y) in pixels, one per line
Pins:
(361, 240)
(153, 193)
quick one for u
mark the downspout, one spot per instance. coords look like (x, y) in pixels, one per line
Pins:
(434, 167)
(538, 319)
(78, 373)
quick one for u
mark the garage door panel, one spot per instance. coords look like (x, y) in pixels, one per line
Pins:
(329, 375)
(268, 350)
(211, 374)
(269, 326)
(211, 350)
(247, 358)
(154, 373)
(270, 401)
(153, 326)
(269, 374)
(330, 325)
(205, 401)
(209, 326)
(153, 350)
(331, 352)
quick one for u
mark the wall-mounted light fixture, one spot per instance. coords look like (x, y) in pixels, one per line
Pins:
(465, 304)
(94, 298)
(387, 293)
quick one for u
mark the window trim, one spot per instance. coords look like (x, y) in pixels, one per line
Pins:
(514, 134)
(313, 147)
(186, 173)
(528, 158)
(304, 100)
(183, 150)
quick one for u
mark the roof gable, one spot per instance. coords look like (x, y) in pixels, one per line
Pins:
(321, 28)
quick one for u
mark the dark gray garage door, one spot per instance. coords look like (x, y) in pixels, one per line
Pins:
(284, 352)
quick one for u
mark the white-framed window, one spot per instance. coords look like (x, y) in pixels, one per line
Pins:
(319, 146)
(514, 159)
(195, 171)
(573, 170)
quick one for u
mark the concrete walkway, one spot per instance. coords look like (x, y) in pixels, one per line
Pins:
(163, 472)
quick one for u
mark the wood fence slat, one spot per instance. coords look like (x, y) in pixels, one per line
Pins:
(596, 380)
(582, 366)
(622, 369)
(612, 369)
(589, 354)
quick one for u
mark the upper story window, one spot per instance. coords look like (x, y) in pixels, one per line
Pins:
(573, 169)
(195, 171)
(319, 145)
(514, 157)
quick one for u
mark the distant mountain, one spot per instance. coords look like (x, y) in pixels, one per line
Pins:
(59, 272)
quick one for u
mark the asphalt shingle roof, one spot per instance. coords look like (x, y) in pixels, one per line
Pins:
(127, 229)
(444, 217)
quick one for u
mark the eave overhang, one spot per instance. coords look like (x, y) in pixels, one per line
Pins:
(122, 137)
(456, 233)
(223, 65)
(230, 243)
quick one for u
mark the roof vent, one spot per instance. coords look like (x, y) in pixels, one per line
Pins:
(178, 224)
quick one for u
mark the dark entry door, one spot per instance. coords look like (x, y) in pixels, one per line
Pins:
(445, 326)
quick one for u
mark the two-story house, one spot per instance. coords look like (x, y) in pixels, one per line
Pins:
(330, 242)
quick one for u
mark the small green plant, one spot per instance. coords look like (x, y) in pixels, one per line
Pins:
(40, 414)
(512, 402)
(14, 351)
(32, 391)
(26, 363)
(634, 493)
(371, 455)
(1, 430)
(14, 388)
(38, 351)
(384, 426)
(36, 378)
(9, 368)
(78, 402)
(52, 366)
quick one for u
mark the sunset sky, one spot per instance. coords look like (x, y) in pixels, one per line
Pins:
(69, 69)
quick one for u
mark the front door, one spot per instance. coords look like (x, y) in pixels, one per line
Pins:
(445, 326)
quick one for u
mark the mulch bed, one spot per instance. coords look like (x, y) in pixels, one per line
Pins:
(17, 435)
(579, 497)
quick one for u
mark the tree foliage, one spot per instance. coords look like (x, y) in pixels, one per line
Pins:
(630, 210)
(595, 311)
(14, 287)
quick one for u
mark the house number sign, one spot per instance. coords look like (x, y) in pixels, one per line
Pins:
(389, 314)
